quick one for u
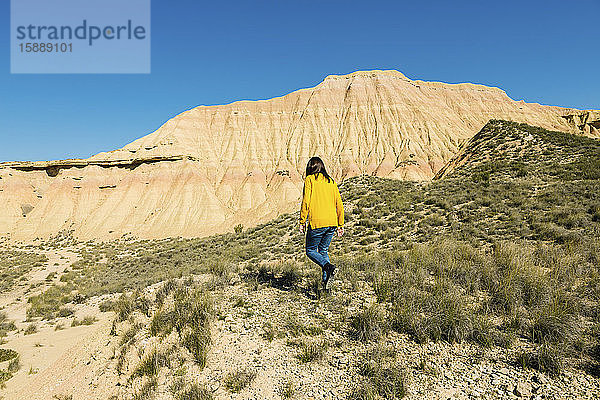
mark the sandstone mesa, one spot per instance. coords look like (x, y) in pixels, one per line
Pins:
(213, 167)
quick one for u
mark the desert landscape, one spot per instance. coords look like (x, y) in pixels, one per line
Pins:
(214, 167)
(172, 268)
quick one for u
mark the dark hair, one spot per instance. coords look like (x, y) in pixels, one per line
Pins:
(315, 165)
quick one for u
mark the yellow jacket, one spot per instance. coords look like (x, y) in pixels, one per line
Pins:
(321, 202)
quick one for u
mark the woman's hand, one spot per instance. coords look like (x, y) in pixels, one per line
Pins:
(301, 228)
(340, 231)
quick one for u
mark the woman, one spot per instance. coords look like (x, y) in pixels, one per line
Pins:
(322, 205)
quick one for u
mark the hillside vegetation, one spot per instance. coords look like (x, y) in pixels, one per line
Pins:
(502, 251)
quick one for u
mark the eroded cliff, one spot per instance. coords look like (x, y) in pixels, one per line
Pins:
(213, 167)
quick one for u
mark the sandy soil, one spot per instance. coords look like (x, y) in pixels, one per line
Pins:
(59, 362)
(14, 302)
(53, 362)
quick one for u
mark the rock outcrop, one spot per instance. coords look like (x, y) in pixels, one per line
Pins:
(587, 122)
(213, 167)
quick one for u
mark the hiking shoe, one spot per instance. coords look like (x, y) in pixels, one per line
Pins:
(330, 271)
(325, 275)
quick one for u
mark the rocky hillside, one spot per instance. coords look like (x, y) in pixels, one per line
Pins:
(214, 167)
(483, 283)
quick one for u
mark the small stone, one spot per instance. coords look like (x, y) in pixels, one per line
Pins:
(523, 389)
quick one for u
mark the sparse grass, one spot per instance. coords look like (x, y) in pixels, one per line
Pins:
(442, 313)
(288, 389)
(197, 341)
(65, 312)
(147, 389)
(7, 354)
(384, 383)
(453, 292)
(161, 323)
(238, 228)
(545, 358)
(269, 332)
(151, 364)
(87, 320)
(312, 351)
(14, 364)
(284, 275)
(186, 311)
(382, 376)
(177, 385)
(555, 323)
(15, 264)
(193, 312)
(48, 303)
(6, 325)
(368, 324)
(107, 305)
(296, 327)
(195, 392)
(4, 376)
(238, 380)
(121, 361)
(167, 288)
(129, 334)
(31, 329)
(124, 306)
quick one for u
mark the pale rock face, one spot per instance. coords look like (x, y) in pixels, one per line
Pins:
(213, 167)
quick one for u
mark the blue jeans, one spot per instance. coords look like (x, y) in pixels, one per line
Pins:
(317, 243)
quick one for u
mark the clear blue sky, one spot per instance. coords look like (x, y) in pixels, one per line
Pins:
(217, 52)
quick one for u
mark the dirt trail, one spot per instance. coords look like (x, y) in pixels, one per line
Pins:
(54, 362)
